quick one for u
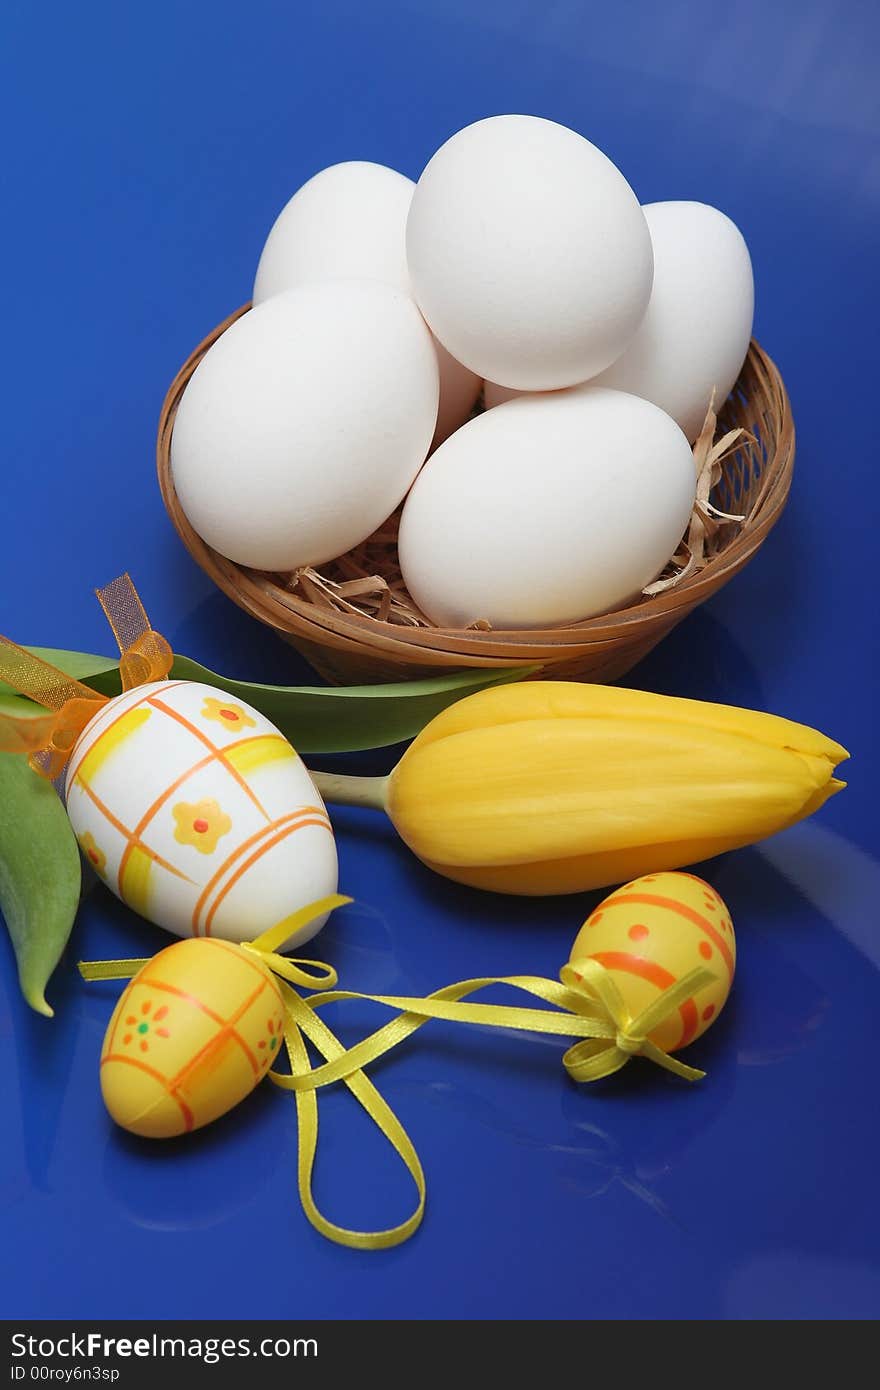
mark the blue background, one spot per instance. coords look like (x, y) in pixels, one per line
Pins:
(147, 150)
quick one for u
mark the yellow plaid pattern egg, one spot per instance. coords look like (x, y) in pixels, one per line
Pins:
(197, 812)
(650, 933)
(193, 1033)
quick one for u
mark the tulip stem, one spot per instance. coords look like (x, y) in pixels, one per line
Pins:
(351, 791)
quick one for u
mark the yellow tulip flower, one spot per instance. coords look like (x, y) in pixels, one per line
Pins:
(555, 787)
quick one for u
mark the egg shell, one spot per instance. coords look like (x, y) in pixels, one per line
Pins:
(305, 423)
(349, 221)
(196, 811)
(650, 933)
(528, 253)
(193, 1033)
(696, 330)
(546, 510)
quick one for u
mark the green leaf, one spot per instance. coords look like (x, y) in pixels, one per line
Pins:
(40, 874)
(17, 706)
(316, 719)
(339, 719)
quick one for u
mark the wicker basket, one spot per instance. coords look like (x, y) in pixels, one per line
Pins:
(355, 623)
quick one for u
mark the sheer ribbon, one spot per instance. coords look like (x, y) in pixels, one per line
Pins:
(48, 739)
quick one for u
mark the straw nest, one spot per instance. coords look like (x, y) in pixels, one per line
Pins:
(355, 623)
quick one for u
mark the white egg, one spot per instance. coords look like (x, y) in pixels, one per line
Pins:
(695, 333)
(528, 253)
(547, 510)
(349, 221)
(196, 811)
(305, 423)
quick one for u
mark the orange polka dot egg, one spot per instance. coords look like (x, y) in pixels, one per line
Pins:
(197, 812)
(650, 933)
(193, 1033)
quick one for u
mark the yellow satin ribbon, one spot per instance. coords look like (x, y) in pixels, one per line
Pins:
(48, 739)
(587, 1005)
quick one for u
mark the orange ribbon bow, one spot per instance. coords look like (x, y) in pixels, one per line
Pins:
(49, 738)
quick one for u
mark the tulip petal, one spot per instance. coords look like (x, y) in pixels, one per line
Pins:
(552, 789)
(584, 872)
(565, 700)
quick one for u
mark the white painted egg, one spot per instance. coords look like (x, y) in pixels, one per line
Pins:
(528, 253)
(546, 510)
(304, 425)
(196, 811)
(349, 221)
(695, 333)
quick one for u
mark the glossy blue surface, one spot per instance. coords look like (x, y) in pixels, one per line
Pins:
(148, 150)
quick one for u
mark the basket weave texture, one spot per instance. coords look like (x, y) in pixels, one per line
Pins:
(355, 623)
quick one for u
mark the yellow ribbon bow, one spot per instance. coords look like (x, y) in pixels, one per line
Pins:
(49, 738)
(587, 1005)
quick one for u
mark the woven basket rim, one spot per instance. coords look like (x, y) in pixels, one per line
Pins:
(254, 589)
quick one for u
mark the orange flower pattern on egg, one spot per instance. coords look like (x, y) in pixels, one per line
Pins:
(138, 1028)
(200, 824)
(650, 933)
(232, 716)
(96, 856)
(269, 1044)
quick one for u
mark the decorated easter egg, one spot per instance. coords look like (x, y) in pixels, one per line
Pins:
(650, 933)
(196, 811)
(194, 1031)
